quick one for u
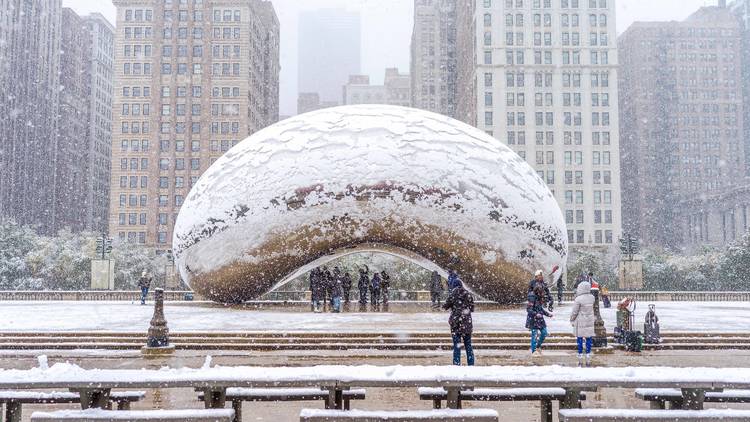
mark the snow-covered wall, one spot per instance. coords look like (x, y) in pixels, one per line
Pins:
(332, 179)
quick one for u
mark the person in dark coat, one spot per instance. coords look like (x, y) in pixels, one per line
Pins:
(453, 280)
(538, 280)
(346, 286)
(385, 285)
(461, 304)
(318, 289)
(363, 285)
(560, 288)
(535, 322)
(336, 294)
(314, 277)
(144, 283)
(375, 290)
(327, 280)
(436, 289)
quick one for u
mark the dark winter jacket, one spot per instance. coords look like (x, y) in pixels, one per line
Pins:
(316, 285)
(436, 283)
(453, 280)
(144, 282)
(346, 282)
(461, 304)
(364, 280)
(327, 281)
(385, 281)
(375, 283)
(336, 288)
(547, 300)
(535, 312)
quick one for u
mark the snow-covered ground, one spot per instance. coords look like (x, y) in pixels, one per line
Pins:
(126, 316)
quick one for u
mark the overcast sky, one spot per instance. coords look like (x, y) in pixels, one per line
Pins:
(386, 30)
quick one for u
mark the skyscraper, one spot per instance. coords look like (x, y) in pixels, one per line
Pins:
(329, 51)
(29, 99)
(541, 76)
(433, 56)
(100, 91)
(682, 120)
(192, 79)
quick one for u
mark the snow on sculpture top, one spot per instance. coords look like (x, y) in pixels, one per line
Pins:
(334, 178)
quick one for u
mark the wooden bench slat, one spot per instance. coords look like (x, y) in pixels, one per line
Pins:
(32, 397)
(467, 415)
(643, 415)
(498, 394)
(278, 394)
(99, 415)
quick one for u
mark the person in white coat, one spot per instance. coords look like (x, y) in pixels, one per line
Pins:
(582, 317)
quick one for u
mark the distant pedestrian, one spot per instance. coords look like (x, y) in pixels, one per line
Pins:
(313, 280)
(327, 279)
(144, 283)
(385, 286)
(605, 297)
(535, 322)
(346, 286)
(453, 280)
(375, 290)
(336, 294)
(560, 288)
(582, 317)
(538, 281)
(436, 289)
(363, 285)
(461, 304)
(317, 287)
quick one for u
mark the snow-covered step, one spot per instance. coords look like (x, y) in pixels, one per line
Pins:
(643, 415)
(448, 415)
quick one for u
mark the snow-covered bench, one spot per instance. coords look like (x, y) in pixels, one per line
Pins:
(239, 395)
(14, 400)
(102, 415)
(544, 395)
(464, 415)
(659, 397)
(645, 415)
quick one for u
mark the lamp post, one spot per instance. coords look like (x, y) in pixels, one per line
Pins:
(158, 333)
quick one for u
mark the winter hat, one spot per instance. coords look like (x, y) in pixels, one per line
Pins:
(538, 273)
(143, 274)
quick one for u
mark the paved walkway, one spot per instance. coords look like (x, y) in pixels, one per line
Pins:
(202, 316)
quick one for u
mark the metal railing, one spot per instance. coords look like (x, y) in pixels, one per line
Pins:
(394, 295)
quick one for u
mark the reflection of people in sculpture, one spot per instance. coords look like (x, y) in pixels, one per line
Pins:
(327, 280)
(363, 285)
(346, 286)
(385, 284)
(336, 294)
(452, 280)
(375, 290)
(436, 289)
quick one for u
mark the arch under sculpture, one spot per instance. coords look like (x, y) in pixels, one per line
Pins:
(322, 182)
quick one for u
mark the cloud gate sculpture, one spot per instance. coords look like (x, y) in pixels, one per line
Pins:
(314, 185)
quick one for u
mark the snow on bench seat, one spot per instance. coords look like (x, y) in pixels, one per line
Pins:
(726, 396)
(291, 394)
(467, 415)
(99, 415)
(39, 397)
(499, 394)
(643, 415)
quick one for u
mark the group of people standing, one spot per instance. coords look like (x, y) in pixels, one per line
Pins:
(582, 318)
(334, 288)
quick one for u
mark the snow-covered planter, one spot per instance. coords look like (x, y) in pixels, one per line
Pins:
(415, 183)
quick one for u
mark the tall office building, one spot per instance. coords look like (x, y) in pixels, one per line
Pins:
(99, 92)
(682, 122)
(541, 76)
(329, 51)
(191, 80)
(73, 128)
(394, 91)
(433, 56)
(30, 32)
(741, 10)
